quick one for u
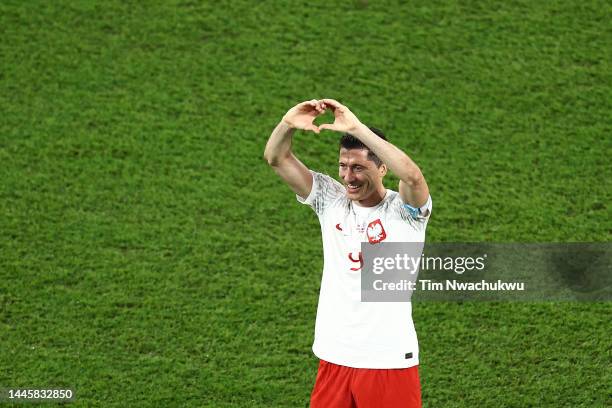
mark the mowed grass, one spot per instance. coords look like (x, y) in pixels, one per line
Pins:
(149, 257)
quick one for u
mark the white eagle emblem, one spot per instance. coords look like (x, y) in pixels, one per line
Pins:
(376, 232)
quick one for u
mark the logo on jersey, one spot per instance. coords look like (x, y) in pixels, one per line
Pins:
(376, 232)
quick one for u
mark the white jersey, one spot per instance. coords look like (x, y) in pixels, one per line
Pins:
(349, 332)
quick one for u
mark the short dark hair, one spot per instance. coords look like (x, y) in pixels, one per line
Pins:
(349, 141)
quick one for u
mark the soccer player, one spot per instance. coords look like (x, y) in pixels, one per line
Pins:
(368, 351)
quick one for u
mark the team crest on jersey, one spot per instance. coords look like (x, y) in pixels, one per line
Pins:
(376, 232)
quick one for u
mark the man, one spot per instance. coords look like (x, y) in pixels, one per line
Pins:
(368, 351)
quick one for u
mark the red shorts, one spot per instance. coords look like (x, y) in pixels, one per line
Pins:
(346, 387)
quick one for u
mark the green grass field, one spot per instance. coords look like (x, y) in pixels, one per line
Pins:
(149, 256)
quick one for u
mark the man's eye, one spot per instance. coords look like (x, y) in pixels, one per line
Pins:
(358, 168)
(342, 165)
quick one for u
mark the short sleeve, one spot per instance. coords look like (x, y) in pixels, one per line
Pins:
(324, 191)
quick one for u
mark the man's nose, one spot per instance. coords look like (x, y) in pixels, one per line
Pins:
(348, 175)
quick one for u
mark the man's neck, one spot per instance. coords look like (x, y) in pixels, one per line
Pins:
(373, 199)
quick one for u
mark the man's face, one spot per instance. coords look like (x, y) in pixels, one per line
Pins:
(360, 176)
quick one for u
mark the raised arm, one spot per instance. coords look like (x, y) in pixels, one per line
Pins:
(278, 149)
(412, 187)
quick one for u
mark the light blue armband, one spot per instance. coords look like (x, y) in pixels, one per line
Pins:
(414, 212)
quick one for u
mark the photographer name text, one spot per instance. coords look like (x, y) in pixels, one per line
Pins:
(447, 285)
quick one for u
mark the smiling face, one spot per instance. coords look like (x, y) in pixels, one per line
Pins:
(361, 177)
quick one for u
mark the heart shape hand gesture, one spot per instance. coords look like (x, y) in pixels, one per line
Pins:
(302, 116)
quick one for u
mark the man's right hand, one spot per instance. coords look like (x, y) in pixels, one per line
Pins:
(302, 115)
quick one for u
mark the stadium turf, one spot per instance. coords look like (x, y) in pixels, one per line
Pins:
(149, 256)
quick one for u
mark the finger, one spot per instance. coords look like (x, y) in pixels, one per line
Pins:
(329, 126)
(307, 105)
(320, 107)
(332, 102)
(313, 103)
(312, 128)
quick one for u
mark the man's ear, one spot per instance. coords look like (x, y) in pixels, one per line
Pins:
(383, 170)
